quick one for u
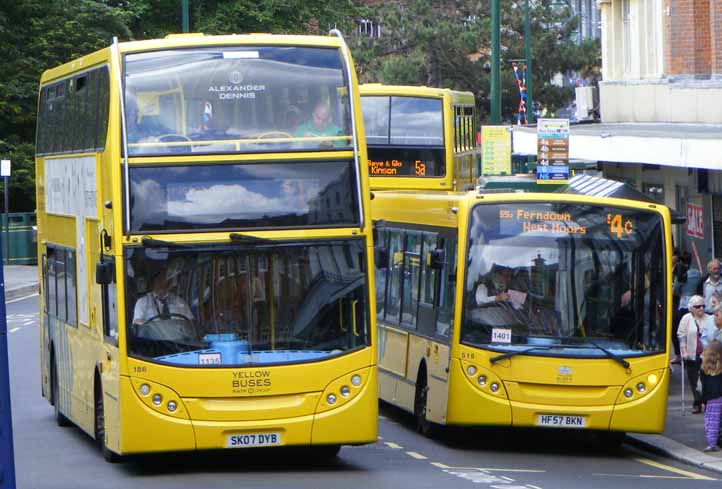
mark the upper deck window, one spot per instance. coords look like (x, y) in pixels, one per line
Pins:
(236, 100)
(403, 121)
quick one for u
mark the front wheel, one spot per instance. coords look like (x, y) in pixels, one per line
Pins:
(423, 426)
(108, 455)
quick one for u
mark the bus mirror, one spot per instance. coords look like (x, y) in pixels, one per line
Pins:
(104, 272)
(381, 257)
(436, 259)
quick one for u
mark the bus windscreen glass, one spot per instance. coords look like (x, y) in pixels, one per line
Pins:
(405, 136)
(236, 100)
(237, 305)
(565, 279)
(243, 196)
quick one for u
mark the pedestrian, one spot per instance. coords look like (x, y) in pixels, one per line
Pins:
(712, 330)
(690, 345)
(712, 284)
(712, 393)
(687, 279)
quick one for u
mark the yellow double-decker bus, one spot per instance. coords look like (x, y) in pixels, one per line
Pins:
(524, 309)
(204, 238)
(420, 137)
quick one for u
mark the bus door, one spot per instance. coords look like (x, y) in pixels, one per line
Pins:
(108, 362)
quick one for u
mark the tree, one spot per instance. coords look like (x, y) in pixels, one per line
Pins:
(37, 35)
(447, 44)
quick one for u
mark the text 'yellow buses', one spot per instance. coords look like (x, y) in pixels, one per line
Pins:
(204, 239)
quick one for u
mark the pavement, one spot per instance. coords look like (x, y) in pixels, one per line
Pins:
(682, 440)
(20, 280)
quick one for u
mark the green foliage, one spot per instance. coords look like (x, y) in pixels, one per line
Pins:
(424, 42)
(448, 44)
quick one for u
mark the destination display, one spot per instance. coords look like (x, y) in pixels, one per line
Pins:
(541, 220)
(406, 162)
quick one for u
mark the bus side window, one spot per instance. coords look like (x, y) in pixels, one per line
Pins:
(447, 285)
(381, 274)
(412, 274)
(428, 288)
(396, 258)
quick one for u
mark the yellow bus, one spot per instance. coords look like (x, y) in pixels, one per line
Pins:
(204, 248)
(420, 137)
(524, 309)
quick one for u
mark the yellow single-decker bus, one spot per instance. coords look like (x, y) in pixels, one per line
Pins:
(524, 309)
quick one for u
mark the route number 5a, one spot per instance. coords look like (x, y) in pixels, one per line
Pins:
(420, 168)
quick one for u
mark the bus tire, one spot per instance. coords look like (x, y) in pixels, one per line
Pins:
(60, 418)
(611, 440)
(423, 426)
(327, 453)
(109, 455)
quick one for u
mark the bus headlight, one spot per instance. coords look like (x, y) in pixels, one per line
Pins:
(628, 393)
(343, 389)
(471, 370)
(481, 380)
(159, 398)
(494, 387)
(641, 387)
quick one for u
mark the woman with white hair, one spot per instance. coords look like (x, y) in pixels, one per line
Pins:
(689, 333)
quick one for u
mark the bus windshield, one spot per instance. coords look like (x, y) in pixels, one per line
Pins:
(569, 279)
(405, 136)
(236, 305)
(236, 99)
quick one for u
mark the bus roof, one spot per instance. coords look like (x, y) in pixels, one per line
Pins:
(438, 208)
(458, 97)
(180, 41)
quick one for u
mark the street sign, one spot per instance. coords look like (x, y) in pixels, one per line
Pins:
(4, 168)
(695, 221)
(495, 150)
(552, 150)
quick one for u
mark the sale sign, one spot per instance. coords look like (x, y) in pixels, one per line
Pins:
(695, 221)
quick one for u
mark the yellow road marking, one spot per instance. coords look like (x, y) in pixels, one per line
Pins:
(14, 329)
(392, 445)
(415, 455)
(675, 470)
(642, 476)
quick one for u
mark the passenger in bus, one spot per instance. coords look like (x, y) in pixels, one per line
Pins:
(160, 302)
(320, 124)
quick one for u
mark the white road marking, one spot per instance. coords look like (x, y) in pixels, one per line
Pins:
(14, 330)
(21, 298)
(415, 455)
(392, 445)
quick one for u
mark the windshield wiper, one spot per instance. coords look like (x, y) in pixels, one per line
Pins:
(611, 355)
(149, 242)
(247, 238)
(510, 354)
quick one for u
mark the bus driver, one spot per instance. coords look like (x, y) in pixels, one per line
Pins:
(159, 302)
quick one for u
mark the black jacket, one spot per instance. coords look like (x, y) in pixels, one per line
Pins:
(711, 386)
